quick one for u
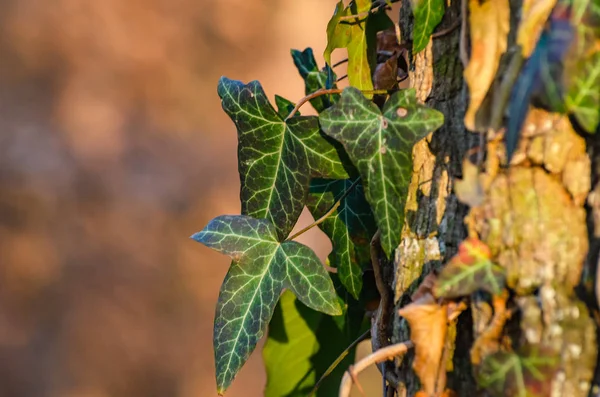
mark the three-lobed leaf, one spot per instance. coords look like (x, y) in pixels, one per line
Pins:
(276, 157)
(428, 14)
(526, 373)
(262, 267)
(349, 228)
(379, 143)
(468, 271)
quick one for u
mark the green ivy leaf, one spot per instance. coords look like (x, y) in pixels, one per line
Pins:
(276, 157)
(284, 106)
(301, 344)
(380, 145)
(524, 374)
(350, 228)
(468, 271)
(314, 79)
(428, 14)
(359, 37)
(262, 268)
(583, 65)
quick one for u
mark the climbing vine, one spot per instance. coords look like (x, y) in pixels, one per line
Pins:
(351, 166)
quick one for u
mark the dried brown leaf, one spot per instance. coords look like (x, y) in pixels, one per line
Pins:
(489, 22)
(533, 17)
(469, 190)
(428, 328)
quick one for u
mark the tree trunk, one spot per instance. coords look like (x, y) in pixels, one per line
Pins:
(533, 218)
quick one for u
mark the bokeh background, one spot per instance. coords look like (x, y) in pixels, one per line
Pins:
(113, 151)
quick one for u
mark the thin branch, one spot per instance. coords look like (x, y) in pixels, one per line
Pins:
(363, 14)
(341, 78)
(328, 213)
(384, 354)
(327, 91)
(343, 61)
(339, 359)
(444, 32)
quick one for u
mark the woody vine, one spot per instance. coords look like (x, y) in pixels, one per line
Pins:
(352, 166)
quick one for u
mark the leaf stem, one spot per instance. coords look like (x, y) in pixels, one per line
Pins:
(343, 61)
(327, 214)
(327, 91)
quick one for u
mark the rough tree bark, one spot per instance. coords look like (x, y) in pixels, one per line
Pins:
(533, 217)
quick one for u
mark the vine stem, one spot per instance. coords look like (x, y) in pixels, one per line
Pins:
(387, 353)
(327, 91)
(327, 214)
(364, 13)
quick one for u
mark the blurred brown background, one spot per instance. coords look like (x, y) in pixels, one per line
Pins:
(113, 151)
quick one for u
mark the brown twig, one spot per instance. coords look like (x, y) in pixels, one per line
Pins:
(327, 91)
(335, 65)
(341, 78)
(444, 32)
(387, 353)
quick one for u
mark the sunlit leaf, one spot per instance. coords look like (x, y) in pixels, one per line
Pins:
(489, 23)
(380, 144)
(358, 36)
(428, 14)
(262, 267)
(314, 79)
(469, 189)
(527, 373)
(350, 228)
(276, 157)
(534, 14)
(428, 327)
(301, 345)
(468, 271)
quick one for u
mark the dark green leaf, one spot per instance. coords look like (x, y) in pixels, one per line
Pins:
(301, 344)
(314, 79)
(358, 36)
(350, 228)
(526, 374)
(468, 271)
(380, 145)
(276, 158)
(284, 106)
(262, 268)
(428, 14)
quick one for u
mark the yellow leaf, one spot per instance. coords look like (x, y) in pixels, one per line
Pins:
(534, 13)
(489, 22)
(469, 190)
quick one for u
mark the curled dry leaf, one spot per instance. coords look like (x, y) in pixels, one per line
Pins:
(533, 17)
(428, 329)
(426, 286)
(469, 190)
(489, 22)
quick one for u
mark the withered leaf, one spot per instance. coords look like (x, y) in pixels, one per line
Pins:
(489, 22)
(468, 271)
(428, 328)
(534, 14)
(469, 189)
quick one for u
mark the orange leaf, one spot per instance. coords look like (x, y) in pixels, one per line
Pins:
(428, 328)
(489, 21)
(534, 15)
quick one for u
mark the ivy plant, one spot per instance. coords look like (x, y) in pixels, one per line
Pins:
(351, 166)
